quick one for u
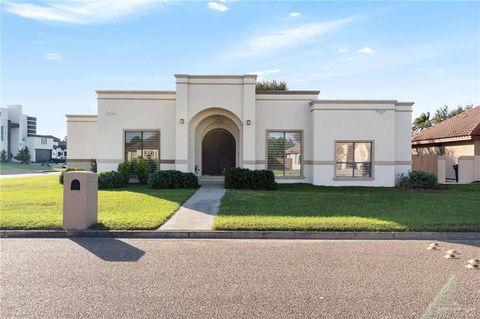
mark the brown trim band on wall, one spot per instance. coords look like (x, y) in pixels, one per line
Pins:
(136, 98)
(181, 161)
(167, 161)
(249, 162)
(79, 160)
(109, 161)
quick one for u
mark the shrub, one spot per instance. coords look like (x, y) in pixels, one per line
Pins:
(172, 179)
(190, 180)
(141, 169)
(110, 179)
(243, 178)
(271, 85)
(263, 179)
(69, 169)
(125, 170)
(93, 165)
(23, 155)
(3, 157)
(418, 180)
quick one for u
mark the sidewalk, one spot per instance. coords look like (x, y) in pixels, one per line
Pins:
(198, 212)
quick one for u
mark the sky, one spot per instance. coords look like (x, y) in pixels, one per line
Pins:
(55, 54)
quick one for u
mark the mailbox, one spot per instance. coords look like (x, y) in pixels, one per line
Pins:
(80, 200)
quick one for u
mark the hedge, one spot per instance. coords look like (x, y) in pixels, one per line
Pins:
(172, 179)
(110, 179)
(244, 178)
(69, 169)
(138, 167)
(418, 180)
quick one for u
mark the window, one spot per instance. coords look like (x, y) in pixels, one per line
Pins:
(284, 151)
(144, 144)
(43, 140)
(2, 133)
(353, 159)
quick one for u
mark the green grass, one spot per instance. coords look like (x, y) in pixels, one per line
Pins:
(14, 168)
(36, 203)
(307, 207)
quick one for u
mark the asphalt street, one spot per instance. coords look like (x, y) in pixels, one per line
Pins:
(140, 278)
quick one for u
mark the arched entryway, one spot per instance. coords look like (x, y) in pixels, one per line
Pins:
(218, 152)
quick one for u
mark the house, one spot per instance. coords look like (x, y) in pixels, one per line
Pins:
(456, 137)
(59, 151)
(215, 121)
(19, 130)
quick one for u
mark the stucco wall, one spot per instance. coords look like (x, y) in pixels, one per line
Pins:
(82, 140)
(142, 111)
(287, 112)
(361, 121)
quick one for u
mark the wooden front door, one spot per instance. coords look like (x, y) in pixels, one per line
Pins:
(218, 152)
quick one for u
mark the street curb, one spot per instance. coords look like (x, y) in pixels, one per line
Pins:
(240, 234)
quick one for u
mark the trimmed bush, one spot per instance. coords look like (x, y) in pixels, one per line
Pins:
(110, 179)
(418, 180)
(244, 178)
(69, 169)
(189, 180)
(172, 179)
(125, 170)
(141, 169)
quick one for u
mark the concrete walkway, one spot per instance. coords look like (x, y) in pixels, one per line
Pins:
(198, 212)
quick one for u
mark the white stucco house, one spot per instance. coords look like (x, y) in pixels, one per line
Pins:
(215, 121)
(18, 130)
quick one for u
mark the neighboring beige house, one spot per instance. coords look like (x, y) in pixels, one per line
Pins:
(455, 137)
(215, 121)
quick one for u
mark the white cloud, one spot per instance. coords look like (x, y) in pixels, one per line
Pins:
(262, 75)
(52, 56)
(220, 7)
(78, 12)
(295, 14)
(342, 50)
(269, 41)
(366, 50)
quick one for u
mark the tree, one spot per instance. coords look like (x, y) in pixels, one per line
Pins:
(421, 122)
(444, 113)
(23, 155)
(271, 85)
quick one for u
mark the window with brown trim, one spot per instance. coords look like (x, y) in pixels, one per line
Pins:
(144, 144)
(284, 151)
(353, 159)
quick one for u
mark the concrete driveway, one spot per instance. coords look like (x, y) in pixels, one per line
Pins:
(110, 278)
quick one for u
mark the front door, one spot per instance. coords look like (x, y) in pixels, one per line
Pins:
(218, 152)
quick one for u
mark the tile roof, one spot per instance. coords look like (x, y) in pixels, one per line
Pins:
(462, 125)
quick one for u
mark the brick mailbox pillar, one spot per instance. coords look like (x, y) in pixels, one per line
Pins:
(80, 200)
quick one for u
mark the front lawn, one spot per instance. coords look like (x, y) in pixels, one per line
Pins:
(36, 203)
(307, 207)
(17, 168)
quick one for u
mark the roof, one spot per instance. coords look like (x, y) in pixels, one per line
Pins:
(460, 127)
(56, 139)
(295, 149)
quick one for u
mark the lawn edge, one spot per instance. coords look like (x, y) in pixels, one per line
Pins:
(241, 234)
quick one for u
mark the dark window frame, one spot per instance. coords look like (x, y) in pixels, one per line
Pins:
(353, 162)
(285, 131)
(141, 131)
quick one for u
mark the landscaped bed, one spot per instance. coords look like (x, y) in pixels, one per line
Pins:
(307, 207)
(36, 203)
